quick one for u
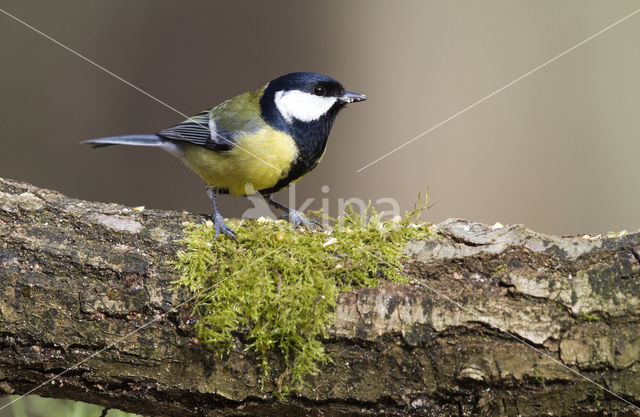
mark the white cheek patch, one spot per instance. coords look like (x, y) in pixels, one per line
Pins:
(306, 107)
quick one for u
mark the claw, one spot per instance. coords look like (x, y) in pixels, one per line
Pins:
(220, 226)
(218, 220)
(294, 216)
(298, 219)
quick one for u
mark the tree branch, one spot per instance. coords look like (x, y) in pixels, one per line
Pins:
(77, 276)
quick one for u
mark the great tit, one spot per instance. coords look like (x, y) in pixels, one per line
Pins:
(258, 141)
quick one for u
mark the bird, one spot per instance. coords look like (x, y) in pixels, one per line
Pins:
(259, 141)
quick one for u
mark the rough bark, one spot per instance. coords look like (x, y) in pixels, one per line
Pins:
(76, 276)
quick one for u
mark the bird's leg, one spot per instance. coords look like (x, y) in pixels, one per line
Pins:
(294, 216)
(218, 220)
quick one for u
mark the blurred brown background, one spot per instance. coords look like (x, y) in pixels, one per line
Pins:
(557, 151)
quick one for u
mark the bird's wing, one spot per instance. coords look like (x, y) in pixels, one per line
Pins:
(218, 129)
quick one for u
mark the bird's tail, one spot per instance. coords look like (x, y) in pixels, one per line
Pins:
(134, 140)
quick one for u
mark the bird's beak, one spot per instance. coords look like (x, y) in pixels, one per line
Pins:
(350, 97)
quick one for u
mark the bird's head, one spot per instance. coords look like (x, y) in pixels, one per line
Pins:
(305, 97)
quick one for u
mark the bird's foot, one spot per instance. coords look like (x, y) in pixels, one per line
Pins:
(298, 219)
(220, 226)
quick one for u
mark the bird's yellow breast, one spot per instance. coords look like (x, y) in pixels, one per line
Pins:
(257, 162)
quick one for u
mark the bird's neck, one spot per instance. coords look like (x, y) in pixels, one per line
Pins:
(311, 137)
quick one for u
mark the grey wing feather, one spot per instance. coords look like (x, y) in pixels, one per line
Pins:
(200, 130)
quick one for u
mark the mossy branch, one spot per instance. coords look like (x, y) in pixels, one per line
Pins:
(76, 276)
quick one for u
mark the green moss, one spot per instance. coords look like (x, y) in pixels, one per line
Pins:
(596, 399)
(499, 270)
(278, 286)
(539, 377)
(588, 317)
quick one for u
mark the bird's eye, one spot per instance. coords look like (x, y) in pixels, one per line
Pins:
(319, 90)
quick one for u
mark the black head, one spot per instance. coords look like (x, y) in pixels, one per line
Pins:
(301, 98)
(304, 105)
